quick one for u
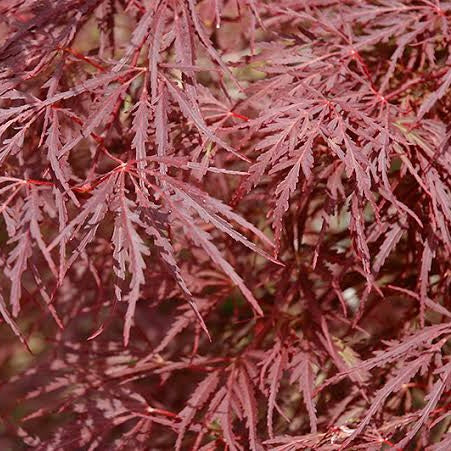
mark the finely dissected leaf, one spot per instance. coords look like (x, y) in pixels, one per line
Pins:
(139, 34)
(435, 96)
(54, 148)
(129, 249)
(391, 240)
(298, 154)
(198, 399)
(154, 47)
(17, 262)
(101, 114)
(357, 225)
(192, 114)
(275, 375)
(11, 323)
(302, 372)
(206, 209)
(161, 125)
(93, 212)
(12, 145)
(181, 323)
(167, 254)
(89, 85)
(226, 424)
(433, 397)
(35, 213)
(355, 162)
(395, 349)
(403, 376)
(155, 227)
(283, 192)
(18, 257)
(140, 127)
(245, 392)
(203, 240)
(206, 42)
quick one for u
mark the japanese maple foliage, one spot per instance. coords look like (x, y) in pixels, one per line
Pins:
(225, 224)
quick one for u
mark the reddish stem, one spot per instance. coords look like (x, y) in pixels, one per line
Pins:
(82, 58)
(239, 116)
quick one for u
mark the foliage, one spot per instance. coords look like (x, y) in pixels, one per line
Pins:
(225, 224)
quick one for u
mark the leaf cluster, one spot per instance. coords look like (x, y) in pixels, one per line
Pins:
(225, 224)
